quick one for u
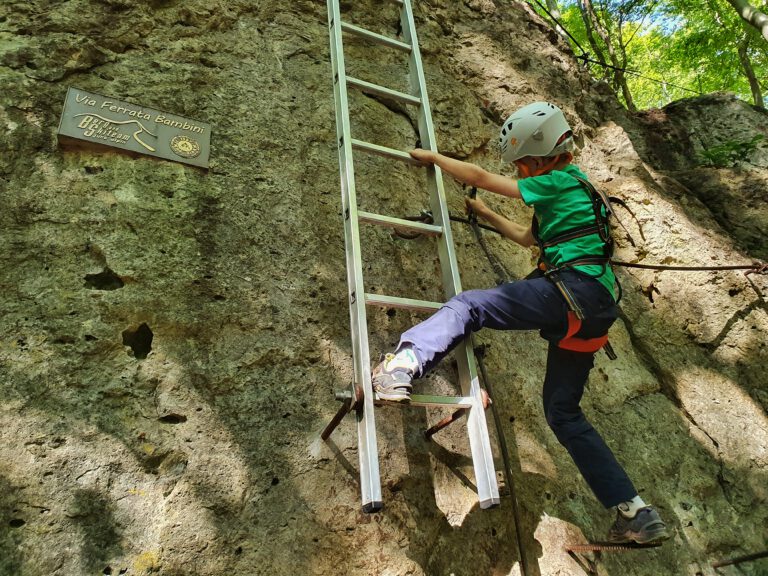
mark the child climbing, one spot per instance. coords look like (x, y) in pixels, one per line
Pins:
(569, 299)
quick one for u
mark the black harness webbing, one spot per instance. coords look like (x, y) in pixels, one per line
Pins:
(601, 226)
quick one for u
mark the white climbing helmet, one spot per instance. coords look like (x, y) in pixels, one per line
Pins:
(535, 130)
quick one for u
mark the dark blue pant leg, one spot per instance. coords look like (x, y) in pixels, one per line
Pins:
(531, 304)
(567, 373)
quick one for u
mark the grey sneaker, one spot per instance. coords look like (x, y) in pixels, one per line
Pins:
(645, 528)
(392, 381)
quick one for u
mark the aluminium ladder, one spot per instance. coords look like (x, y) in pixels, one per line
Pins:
(362, 397)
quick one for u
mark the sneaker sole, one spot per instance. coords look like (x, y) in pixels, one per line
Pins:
(644, 537)
(653, 537)
(647, 537)
(402, 399)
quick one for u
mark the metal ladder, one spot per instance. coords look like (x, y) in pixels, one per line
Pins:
(361, 398)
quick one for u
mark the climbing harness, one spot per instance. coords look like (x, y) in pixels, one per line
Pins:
(570, 342)
(601, 206)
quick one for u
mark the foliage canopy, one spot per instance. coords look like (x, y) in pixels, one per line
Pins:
(657, 51)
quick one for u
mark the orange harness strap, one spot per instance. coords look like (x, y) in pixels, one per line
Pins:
(569, 342)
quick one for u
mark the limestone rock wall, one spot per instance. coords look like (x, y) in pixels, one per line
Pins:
(171, 338)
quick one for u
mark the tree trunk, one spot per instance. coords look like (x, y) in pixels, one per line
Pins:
(591, 37)
(746, 64)
(619, 80)
(751, 15)
(553, 8)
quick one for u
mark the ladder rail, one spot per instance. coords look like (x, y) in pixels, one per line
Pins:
(370, 481)
(477, 427)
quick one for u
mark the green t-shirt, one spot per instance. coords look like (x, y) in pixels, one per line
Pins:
(561, 203)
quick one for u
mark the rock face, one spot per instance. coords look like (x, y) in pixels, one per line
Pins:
(171, 337)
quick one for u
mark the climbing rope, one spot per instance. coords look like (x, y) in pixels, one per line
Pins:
(502, 275)
(756, 267)
(480, 355)
(740, 559)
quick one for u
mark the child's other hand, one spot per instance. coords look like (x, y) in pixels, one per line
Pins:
(426, 156)
(477, 206)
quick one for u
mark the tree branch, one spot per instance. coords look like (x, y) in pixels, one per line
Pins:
(751, 15)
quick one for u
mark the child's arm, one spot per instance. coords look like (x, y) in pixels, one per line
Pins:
(470, 174)
(523, 235)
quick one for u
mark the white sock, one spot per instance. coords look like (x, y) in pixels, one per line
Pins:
(629, 509)
(406, 359)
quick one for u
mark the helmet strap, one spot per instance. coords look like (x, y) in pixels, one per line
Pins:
(543, 164)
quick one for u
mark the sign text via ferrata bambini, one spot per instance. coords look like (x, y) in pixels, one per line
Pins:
(92, 118)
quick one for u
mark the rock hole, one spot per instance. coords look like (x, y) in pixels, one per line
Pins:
(173, 418)
(493, 531)
(219, 297)
(733, 291)
(107, 570)
(89, 338)
(105, 280)
(16, 523)
(93, 169)
(238, 550)
(275, 481)
(511, 418)
(140, 340)
(391, 312)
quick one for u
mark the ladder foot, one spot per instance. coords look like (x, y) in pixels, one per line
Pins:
(372, 507)
(490, 503)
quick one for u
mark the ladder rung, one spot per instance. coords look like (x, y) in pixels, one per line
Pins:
(433, 401)
(396, 302)
(384, 151)
(373, 37)
(400, 224)
(369, 88)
